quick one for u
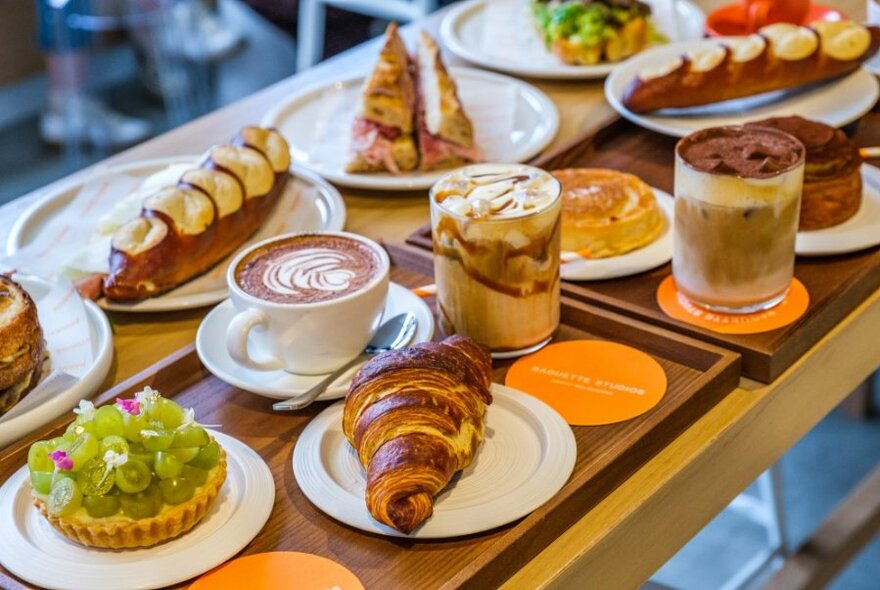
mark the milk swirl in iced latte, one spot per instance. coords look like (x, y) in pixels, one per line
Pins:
(307, 269)
(737, 203)
(496, 254)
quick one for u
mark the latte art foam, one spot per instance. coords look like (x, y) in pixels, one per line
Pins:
(319, 269)
(308, 269)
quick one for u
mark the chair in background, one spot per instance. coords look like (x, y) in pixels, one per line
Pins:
(312, 20)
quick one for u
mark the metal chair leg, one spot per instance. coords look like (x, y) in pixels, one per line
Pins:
(311, 22)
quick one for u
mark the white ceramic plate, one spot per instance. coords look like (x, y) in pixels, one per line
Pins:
(655, 254)
(860, 231)
(308, 203)
(32, 550)
(102, 357)
(211, 346)
(513, 45)
(873, 65)
(835, 103)
(513, 121)
(527, 456)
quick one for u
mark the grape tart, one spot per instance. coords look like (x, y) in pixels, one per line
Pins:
(132, 474)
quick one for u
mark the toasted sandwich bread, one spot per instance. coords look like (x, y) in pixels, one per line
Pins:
(22, 349)
(382, 135)
(445, 132)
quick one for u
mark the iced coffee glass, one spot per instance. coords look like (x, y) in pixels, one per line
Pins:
(496, 254)
(737, 203)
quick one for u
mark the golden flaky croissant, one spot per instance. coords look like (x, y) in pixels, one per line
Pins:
(416, 417)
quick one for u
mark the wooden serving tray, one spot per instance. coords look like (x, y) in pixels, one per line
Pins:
(836, 284)
(699, 376)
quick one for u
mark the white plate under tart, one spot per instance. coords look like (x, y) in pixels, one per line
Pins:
(527, 456)
(836, 102)
(32, 550)
(296, 210)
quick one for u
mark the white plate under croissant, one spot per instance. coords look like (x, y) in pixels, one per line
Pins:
(527, 456)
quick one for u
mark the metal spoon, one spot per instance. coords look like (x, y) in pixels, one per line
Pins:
(395, 333)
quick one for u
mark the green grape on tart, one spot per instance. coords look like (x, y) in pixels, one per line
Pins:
(131, 474)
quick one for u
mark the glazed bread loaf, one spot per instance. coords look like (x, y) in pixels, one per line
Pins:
(22, 348)
(778, 57)
(185, 229)
(415, 416)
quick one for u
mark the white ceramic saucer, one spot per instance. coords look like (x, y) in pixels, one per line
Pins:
(211, 339)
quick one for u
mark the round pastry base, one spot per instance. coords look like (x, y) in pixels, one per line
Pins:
(512, 354)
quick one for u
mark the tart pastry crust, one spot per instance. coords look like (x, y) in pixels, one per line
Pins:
(146, 532)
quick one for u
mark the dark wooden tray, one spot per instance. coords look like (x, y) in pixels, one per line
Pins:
(836, 284)
(698, 374)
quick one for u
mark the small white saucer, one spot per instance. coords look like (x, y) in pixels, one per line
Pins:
(211, 347)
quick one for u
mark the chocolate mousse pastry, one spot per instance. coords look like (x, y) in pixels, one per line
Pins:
(606, 212)
(22, 348)
(832, 177)
(308, 268)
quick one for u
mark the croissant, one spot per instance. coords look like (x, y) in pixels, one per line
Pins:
(185, 229)
(415, 416)
(778, 57)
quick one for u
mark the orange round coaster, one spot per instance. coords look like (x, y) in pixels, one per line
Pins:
(282, 569)
(591, 382)
(679, 307)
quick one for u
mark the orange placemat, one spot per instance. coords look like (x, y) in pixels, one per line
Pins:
(679, 307)
(591, 382)
(271, 571)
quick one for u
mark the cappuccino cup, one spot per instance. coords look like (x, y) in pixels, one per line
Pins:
(306, 303)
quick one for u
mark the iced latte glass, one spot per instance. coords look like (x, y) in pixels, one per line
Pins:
(737, 203)
(496, 254)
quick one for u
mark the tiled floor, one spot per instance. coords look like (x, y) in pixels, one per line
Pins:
(813, 484)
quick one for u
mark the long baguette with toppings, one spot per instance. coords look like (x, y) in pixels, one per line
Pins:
(778, 57)
(185, 229)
